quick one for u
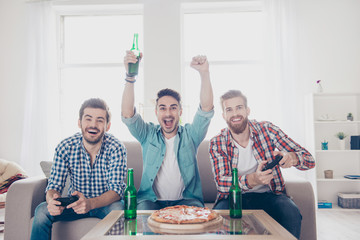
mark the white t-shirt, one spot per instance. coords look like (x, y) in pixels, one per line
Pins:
(247, 164)
(168, 184)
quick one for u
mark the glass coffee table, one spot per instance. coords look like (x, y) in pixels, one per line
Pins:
(255, 224)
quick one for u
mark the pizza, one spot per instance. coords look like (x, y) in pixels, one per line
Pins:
(182, 214)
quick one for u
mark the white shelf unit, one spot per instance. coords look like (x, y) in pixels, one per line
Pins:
(335, 106)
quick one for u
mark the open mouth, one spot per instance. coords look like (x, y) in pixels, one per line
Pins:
(236, 120)
(92, 131)
(168, 122)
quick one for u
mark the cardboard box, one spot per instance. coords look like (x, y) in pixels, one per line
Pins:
(349, 200)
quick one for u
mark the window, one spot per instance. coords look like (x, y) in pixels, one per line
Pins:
(92, 47)
(232, 37)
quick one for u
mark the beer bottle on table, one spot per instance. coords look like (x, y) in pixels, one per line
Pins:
(130, 197)
(134, 67)
(235, 204)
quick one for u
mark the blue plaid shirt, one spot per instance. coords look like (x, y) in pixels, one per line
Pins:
(107, 173)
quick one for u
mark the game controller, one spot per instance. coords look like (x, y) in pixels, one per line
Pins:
(67, 200)
(272, 164)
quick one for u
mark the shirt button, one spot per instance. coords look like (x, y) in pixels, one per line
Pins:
(151, 180)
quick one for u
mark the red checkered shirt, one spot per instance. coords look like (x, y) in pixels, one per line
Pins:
(266, 138)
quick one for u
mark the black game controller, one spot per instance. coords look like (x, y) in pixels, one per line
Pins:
(67, 200)
(273, 163)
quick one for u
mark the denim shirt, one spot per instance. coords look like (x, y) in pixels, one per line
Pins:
(187, 141)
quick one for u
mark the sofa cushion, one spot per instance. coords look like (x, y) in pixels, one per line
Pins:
(46, 167)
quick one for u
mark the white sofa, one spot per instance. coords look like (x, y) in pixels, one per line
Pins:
(24, 196)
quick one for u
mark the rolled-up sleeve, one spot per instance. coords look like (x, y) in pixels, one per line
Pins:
(200, 125)
(117, 170)
(285, 143)
(137, 127)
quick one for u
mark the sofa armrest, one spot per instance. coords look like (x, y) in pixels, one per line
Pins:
(21, 200)
(302, 194)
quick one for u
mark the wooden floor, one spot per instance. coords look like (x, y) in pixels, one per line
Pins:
(331, 224)
(338, 224)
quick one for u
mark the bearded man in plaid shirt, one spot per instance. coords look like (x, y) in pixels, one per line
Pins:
(248, 145)
(95, 162)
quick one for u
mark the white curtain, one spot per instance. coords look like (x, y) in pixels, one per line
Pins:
(282, 30)
(41, 112)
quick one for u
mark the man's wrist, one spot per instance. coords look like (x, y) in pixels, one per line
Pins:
(130, 78)
(250, 180)
(296, 160)
(204, 73)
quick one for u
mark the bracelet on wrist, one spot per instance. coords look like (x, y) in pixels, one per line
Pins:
(130, 79)
(130, 76)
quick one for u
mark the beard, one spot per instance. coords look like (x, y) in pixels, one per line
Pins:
(238, 128)
(92, 141)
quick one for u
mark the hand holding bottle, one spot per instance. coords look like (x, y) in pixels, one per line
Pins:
(200, 63)
(132, 66)
(130, 57)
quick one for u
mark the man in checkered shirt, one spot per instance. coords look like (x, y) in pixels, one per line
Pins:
(248, 145)
(95, 162)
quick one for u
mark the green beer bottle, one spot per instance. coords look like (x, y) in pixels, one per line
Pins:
(235, 203)
(134, 67)
(130, 197)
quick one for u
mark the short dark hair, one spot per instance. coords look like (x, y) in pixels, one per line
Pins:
(231, 94)
(95, 103)
(168, 92)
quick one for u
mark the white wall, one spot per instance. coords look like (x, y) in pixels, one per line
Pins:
(12, 76)
(328, 44)
(327, 47)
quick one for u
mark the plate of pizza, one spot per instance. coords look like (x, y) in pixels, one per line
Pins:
(182, 219)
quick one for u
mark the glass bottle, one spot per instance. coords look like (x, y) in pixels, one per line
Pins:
(134, 67)
(130, 197)
(235, 204)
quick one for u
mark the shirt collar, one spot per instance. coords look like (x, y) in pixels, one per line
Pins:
(81, 144)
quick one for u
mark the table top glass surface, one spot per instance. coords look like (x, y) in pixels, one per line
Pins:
(247, 225)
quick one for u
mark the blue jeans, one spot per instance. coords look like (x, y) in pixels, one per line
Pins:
(43, 221)
(279, 207)
(150, 205)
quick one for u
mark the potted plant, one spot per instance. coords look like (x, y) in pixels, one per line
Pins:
(341, 136)
(350, 117)
(324, 145)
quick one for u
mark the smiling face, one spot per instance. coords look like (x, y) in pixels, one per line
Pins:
(93, 125)
(236, 114)
(168, 112)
